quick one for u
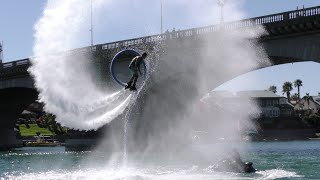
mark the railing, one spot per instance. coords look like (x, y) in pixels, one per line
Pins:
(313, 11)
(15, 63)
(304, 12)
(210, 29)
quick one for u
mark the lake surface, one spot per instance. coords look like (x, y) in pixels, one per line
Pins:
(275, 160)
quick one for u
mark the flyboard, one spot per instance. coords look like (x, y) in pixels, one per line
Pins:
(119, 67)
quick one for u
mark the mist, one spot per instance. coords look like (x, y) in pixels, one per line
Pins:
(165, 116)
(66, 80)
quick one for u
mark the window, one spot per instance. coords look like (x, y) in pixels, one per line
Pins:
(270, 113)
(275, 113)
(269, 102)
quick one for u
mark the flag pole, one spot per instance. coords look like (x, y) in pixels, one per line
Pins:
(161, 19)
(91, 30)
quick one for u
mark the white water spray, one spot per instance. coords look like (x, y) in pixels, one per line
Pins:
(169, 112)
(67, 86)
(64, 79)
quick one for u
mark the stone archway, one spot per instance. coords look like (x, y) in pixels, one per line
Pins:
(13, 102)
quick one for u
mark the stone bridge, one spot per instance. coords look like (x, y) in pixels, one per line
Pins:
(292, 37)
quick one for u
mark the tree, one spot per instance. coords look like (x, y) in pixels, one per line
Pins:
(298, 84)
(286, 88)
(295, 97)
(307, 97)
(273, 89)
(52, 125)
(314, 121)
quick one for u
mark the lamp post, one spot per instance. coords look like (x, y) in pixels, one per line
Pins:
(161, 19)
(221, 3)
(91, 25)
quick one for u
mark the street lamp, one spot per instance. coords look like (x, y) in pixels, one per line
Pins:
(91, 27)
(161, 25)
(221, 3)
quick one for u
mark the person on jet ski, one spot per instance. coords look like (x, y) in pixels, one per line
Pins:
(239, 165)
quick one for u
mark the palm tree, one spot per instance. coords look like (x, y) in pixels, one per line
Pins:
(298, 84)
(286, 88)
(273, 89)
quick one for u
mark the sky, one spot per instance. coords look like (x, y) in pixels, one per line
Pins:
(18, 17)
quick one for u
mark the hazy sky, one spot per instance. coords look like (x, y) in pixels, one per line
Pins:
(18, 17)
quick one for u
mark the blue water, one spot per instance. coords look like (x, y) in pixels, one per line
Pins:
(300, 157)
(275, 160)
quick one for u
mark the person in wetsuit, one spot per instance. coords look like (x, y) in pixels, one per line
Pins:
(134, 67)
(238, 165)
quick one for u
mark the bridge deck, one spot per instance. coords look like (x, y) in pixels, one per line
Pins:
(296, 21)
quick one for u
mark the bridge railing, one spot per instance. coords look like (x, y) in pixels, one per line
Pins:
(214, 28)
(313, 11)
(304, 12)
(15, 63)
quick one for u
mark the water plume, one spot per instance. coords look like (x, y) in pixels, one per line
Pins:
(169, 111)
(167, 117)
(65, 79)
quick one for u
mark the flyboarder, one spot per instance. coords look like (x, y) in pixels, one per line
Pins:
(134, 67)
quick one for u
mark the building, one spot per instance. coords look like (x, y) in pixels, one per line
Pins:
(308, 105)
(277, 118)
(270, 104)
(286, 108)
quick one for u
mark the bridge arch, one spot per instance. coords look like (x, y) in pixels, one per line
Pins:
(290, 65)
(13, 102)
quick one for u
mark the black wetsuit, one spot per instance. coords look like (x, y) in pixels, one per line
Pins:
(134, 66)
